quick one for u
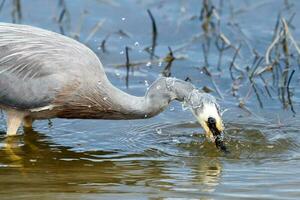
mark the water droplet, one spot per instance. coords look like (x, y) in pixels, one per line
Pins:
(183, 9)
(146, 116)
(148, 64)
(158, 131)
(99, 82)
(160, 64)
(89, 106)
(175, 140)
(170, 82)
(146, 83)
(121, 52)
(184, 106)
(123, 18)
(172, 108)
(104, 98)
(136, 44)
(158, 87)
(117, 73)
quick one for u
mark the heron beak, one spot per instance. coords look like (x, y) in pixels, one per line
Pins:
(217, 134)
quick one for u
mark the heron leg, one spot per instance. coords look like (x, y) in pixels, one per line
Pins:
(14, 120)
(27, 122)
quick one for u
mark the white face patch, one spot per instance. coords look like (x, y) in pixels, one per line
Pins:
(210, 110)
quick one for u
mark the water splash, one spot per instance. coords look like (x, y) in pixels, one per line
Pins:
(170, 82)
(158, 131)
(148, 64)
(117, 73)
(185, 106)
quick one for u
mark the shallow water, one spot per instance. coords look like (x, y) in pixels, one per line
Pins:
(166, 157)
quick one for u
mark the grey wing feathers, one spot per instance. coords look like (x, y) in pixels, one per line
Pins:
(35, 64)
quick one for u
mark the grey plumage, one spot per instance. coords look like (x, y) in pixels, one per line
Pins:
(40, 68)
(35, 64)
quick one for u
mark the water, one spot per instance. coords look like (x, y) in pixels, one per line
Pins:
(168, 156)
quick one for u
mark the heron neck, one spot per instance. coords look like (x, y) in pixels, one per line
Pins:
(156, 99)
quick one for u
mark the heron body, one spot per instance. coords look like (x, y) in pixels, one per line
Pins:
(47, 75)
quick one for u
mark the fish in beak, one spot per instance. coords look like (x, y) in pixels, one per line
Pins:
(217, 134)
(210, 119)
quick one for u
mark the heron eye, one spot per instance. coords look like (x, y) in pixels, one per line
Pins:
(211, 120)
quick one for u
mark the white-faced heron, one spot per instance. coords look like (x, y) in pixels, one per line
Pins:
(47, 75)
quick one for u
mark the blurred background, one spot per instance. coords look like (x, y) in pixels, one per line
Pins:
(245, 53)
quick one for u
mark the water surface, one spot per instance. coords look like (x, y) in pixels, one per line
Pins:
(166, 157)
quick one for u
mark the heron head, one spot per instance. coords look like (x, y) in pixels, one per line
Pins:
(207, 111)
(210, 119)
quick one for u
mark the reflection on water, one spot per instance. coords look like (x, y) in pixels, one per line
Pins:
(31, 162)
(174, 162)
